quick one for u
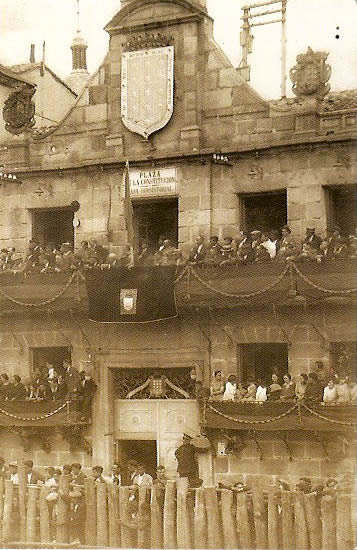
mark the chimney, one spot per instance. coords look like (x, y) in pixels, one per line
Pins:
(32, 54)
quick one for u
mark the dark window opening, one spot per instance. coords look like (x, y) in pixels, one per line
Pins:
(155, 219)
(128, 380)
(53, 355)
(140, 450)
(260, 361)
(53, 226)
(263, 211)
(341, 208)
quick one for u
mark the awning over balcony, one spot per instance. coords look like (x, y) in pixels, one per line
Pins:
(279, 416)
(39, 413)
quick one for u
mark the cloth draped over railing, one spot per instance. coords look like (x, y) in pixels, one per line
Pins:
(225, 286)
(39, 413)
(279, 416)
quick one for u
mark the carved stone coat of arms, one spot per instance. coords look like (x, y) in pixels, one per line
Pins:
(147, 80)
(310, 75)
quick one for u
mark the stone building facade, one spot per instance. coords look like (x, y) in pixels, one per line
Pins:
(235, 159)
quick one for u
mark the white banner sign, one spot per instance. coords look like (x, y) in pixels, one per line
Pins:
(161, 181)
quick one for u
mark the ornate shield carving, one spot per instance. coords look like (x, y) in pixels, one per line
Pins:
(147, 89)
(19, 110)
(311, 74)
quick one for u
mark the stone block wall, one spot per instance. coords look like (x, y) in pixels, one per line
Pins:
(308, 459)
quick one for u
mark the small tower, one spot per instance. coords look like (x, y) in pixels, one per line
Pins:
(79, 75)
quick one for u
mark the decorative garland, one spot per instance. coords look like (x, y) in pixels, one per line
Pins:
(320, 288)
(44, 303)
(31, 419)
(286, 413)
(266, 421)
(188, 270)
(327, 419)
(245, 296)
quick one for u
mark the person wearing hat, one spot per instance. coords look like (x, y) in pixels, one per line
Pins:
(33, 477)
(312, 239)
(187, 465)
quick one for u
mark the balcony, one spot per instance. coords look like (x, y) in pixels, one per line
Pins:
(39, 420)
(279, 416)
(220, 287)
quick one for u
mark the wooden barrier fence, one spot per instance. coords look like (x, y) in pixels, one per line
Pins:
(177, 517)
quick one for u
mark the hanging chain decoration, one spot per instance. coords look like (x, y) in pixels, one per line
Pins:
(265, 421)
(45, 302)
(34, 418)
(320, 288)
(243, 296)
(188, 270)
(331, 420)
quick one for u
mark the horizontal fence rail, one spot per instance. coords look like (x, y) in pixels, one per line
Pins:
(173, 517)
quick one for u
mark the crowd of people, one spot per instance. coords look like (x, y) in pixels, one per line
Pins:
(246, 247)
(134, 476)
(63, 383)
(319, 386)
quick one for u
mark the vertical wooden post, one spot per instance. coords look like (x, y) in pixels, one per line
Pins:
(273, 522)
(313, 519)
(260, 517)
(7, 525)
(157, 518)
(22, 499)
(228, 520)
(183, 515)
(328, 519)
(170, 515)
(91, 512)
(45, 534)
(102, 515)
(343, 522)
(126, 535)
(62, 531)
(143, 519)
(200, 521)
(113, 511)
(301, 532)
(244, 530)
(214, 530)
(2, 489)
(354, 519)
(287, 519)
(33, 493)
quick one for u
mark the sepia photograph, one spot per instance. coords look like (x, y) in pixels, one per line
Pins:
(178, 243)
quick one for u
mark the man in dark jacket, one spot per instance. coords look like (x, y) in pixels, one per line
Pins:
(311, 239)
(18, 391)
(186, 460)
(33, 477)
(86, 391)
